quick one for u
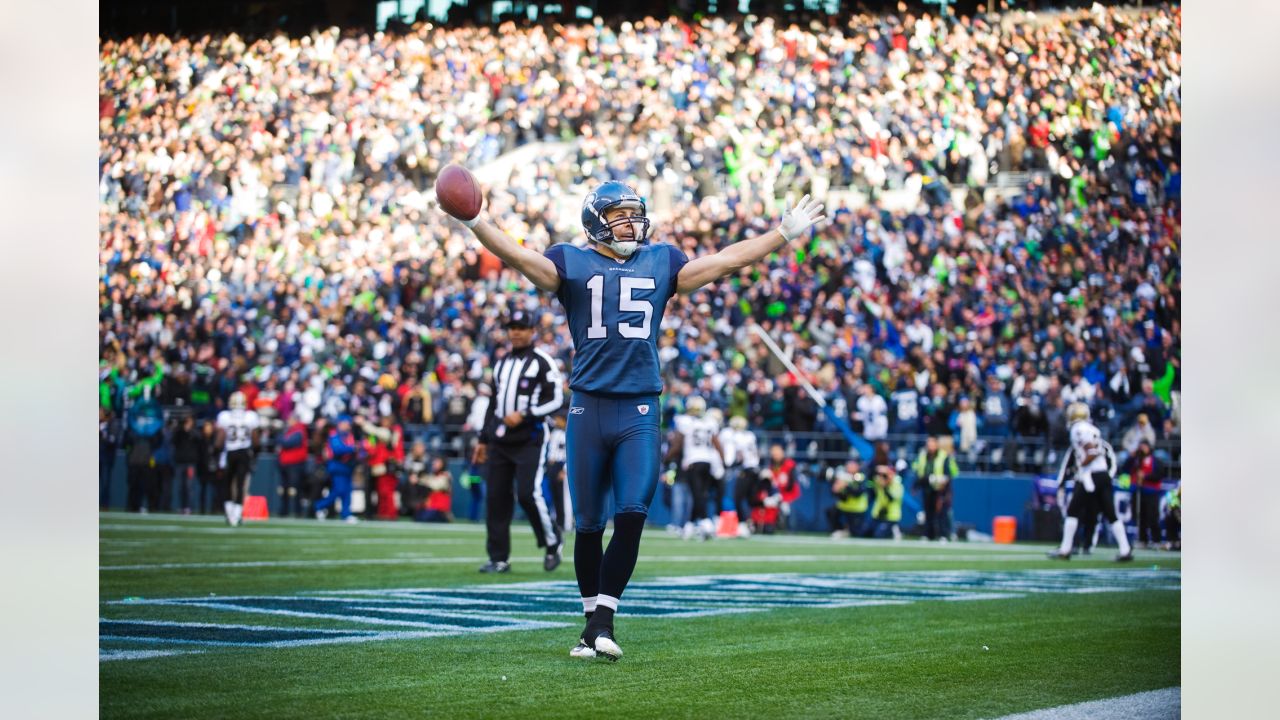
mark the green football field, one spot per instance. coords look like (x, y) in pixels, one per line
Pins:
(301, 619)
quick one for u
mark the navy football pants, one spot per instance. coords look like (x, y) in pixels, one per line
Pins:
(613, 446)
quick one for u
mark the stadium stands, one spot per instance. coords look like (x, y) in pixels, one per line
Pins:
(1009, 198)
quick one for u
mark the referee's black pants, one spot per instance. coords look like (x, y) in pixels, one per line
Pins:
(514, 474)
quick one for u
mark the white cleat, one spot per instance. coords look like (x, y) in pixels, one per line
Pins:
(322, 514)
(582, 651)
(607, 648)
(351, 520)
(706, 529)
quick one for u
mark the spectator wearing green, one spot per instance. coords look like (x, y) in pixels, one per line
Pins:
(849, 486)
(935, 468)
(886, 512)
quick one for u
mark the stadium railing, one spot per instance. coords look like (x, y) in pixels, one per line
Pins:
(988, 454)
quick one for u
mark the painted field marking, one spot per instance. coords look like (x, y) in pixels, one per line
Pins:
(1166, 703)
(408, 613)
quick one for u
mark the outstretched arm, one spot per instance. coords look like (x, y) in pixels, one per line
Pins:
(700, 271)
(540, 271)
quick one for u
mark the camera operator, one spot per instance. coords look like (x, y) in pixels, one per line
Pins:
(886, 513)
(849, 486)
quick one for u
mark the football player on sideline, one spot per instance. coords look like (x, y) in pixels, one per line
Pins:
(614, 293)
(1093, 493)
(237, 435)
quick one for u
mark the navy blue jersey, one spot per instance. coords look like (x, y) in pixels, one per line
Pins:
(614, 310)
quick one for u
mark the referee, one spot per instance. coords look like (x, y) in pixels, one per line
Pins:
(526, 390)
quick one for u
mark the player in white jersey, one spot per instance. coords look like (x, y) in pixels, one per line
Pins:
(1092, 484)
(237, 434)
(742, 460)
(696, 444)
(1089, 520)
(873, 412)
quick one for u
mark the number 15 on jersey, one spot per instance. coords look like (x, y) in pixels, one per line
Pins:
(627, 303)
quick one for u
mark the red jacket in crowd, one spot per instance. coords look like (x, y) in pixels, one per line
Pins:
(784, 479)
(293, 444)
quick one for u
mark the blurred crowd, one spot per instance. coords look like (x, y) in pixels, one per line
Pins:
(267, 224)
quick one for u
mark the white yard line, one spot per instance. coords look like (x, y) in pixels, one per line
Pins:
(1153, 705)
(163, 523)
(430, 560)
(306, 540)
(104, 655)
(109, 521)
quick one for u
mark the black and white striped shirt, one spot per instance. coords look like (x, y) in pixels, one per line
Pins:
(526, 381)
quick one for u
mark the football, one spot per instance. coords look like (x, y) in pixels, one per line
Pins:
(458, 192)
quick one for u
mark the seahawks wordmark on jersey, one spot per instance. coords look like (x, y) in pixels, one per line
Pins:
(239, 426)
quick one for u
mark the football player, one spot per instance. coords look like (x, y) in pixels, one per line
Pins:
(1093, 492)
(1089, 519)
(614, 292)
(695, 443)
(742, 457)
(237, 435)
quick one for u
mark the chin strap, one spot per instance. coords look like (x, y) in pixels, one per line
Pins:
(625, 249)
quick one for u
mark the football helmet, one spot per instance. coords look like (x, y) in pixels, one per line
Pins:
(1077, 412)
(608, 196)
(696, 406)
(738, 422)
(236, 401)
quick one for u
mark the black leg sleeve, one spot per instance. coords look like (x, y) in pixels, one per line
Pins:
(588, 552)
(624, 549)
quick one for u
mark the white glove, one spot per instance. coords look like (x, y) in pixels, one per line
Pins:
(805, 214)
(1086, 480)
(472, 222)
